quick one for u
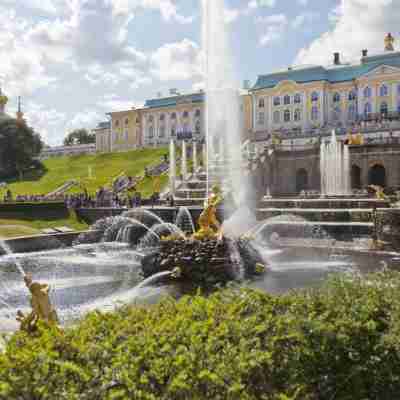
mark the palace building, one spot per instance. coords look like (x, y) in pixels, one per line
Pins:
(303, 102)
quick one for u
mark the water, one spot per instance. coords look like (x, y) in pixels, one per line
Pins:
(222, 109)
(8, 251)
(172, 166)
(184, 161)
(335, 168)
(184, 220)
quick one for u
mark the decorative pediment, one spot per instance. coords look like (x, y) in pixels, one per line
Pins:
(382, 70)
(286, 86)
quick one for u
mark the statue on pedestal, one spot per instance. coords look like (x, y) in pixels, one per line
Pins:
(389, 40)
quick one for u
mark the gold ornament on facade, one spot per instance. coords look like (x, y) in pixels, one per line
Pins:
(3, 100)
(389, 41)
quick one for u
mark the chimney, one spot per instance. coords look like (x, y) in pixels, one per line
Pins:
(365, 52)
(336, 58)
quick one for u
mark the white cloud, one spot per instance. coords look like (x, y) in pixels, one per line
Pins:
(44, 6)
(357, 24)
(305, 18)
(261, 3)
(176, 61)
(303, 2)
(275, 27)
(231, 15)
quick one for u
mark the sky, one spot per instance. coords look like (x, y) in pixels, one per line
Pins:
(72, 61)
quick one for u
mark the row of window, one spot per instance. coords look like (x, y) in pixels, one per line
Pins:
(162, 130)
(173, 116)
(116, 123)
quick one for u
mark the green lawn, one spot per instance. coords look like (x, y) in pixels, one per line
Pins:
(104, 167)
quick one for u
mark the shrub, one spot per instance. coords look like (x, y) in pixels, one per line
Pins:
(337, 342)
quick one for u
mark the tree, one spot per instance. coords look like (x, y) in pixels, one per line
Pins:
(19, 145)
(79, 136)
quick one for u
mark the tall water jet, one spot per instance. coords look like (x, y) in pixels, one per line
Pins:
(334, 167)
(184, 161)
(172, 166)
(222, 100)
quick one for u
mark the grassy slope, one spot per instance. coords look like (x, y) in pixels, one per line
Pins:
(104, 168)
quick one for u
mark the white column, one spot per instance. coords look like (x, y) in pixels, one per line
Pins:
(184, 160)
(172, 166)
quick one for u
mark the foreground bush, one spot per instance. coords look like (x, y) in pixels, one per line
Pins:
(339, 342)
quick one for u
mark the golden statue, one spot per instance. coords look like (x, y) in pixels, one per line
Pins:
(208, 222)
(379, 193)
(41, 306)
(389, 40)
(355, 140)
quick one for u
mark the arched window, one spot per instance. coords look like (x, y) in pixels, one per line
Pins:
(286, 116)
(377, 175)
(367, 109)
(367, 92)
(384, 108)
(301, 180)
(314, 113)
(336, 114)
(261, 103)
(173, 131)
(297, 115)
(116, 123)
(151, 118)
(355, 177)
(126, 121)
(185, 114)
(173, 115)
(277, 117)
(277, 101)
(286, 100)
(352, 95)
(198, 127)
(297, 98)
(162, 117)
(162, 131)
(151, 131)
(351, 113)
(336, 97)
(383, 91)
(314, 96)
(198, 113)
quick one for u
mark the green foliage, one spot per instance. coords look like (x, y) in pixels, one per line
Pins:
(19, 144)
(338, 342)
(79, 136)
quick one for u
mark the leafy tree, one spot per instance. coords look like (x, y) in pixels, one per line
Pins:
(79, 136)
(19, 145)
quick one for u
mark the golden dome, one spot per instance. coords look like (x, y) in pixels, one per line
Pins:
(3, 100)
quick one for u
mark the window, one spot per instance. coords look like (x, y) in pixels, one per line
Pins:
(314, 113)
(173, 131)
(384, 91)
(185, 114)
(336, 114)
(127, 121)
(126, 135)
(314, 96)
(173, 115)
(297, 115)
(151, 131)
(367, 109)
(137, 120)
(198, 113)
(351, 113)
(277, 101)
(115, 136)
(151, 118)
(286, 116)
(384, 108)
(116, 123)
(162, 117)
(367, 92)
(286, 100)
(197, 128)
(336, 97)
(277, 117)
(261, 118)
(297, 98)
(352, 95)
(162, 131)
(261, 103)
(398, 89)
(398, 107)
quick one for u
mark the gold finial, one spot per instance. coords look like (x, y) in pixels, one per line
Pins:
(389, 40)
(20, 114)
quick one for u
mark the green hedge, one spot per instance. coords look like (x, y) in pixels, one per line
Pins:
(339, 342)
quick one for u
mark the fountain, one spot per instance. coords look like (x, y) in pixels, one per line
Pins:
(335, 168)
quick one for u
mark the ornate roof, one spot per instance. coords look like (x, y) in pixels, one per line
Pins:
(175, 100)
(333, 74)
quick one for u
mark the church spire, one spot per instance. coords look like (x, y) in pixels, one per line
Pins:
(20, 114)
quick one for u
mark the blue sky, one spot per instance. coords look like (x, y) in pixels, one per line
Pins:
(74, 60)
